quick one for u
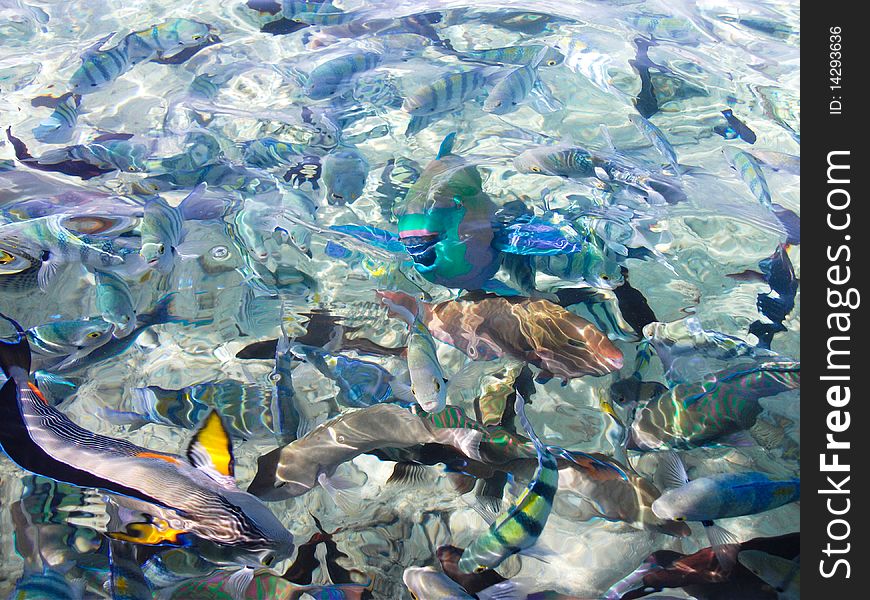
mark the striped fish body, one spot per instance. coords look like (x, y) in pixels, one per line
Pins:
(750, 173)
(698, 414)
(521, 525)
(59, 126)
(570, 162)
(427, 378)
(328, 78)
(161, 231)
(62, 338)
(115, 302)
(726, 495)
(516, 55)
(445, 93)
(47, 585)
(170, 35)
(122, 155)
(511, 90)
(180, 497)
(99, 69)
(360, 383)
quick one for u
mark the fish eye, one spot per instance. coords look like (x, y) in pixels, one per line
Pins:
(337, 196)
(94, 334)
(274, 377)
(480, 569)
(680, 519)
(437, 387)
(605, 277)
(536, 169)
(131, 168)
(498, 103)
(161, 249)
(196, 38)
(551, 62)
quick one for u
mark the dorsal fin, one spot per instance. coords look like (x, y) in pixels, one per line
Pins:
(446, 146)
(211, 448)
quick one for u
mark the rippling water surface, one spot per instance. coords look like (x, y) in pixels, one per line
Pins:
(183, 183)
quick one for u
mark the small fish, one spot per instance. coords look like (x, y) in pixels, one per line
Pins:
(657, 138)
(446, 93)
(427, 377)
(750, 173)
(49, 584)
(344, 175)
(55, 343)
(513, 89)
(778, 161)
(106, 153)
(115, 302)
(516, 55)
(196, 495)
(328, 78)
(163, 231)
(735, 128)
(60, 124)
(519, 527)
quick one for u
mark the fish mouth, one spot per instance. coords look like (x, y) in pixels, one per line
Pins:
(422, 248)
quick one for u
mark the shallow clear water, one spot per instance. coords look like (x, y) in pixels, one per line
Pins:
(268, 258)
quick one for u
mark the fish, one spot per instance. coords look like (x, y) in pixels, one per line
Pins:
(723, 495)
(518, 528)
(516, 55)
(445, 93)
(575, 162)
(328, 78)
(657, 138)
(750, 173)
(514, 87)
(360, 383)
(185, 496)
(115, 302)
(48, 584)
(778, 272)
(735, 128)
(54, 343)
(77, 168)
(58, 245)
(701, 574)
(103, 154)
(717, 410)
(633, 304)
(296, 468)
(344, 175)
(782, 574)
(574, 347)
(446, 222)
(427, 378)
(59, 126)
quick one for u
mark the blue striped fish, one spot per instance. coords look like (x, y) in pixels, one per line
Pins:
(446, 93)
(519, 527)
(328, 78)
(516, 55)
(100, 67)
(179, 497)
(60, 124)
(162, 229)
(657, 138)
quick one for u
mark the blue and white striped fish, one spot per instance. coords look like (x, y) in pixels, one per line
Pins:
(162, 229)
(178, 496)
(519, 527)
(329, 78)
(59, 126)
(446, 93)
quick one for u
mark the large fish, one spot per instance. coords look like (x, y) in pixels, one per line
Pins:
(194, 495)
(486, 327)
(715, 411)
(445, 223)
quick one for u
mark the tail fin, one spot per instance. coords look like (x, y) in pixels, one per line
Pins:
(15, 356)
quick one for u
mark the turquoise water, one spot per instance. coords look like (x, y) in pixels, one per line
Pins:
(273, 238)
